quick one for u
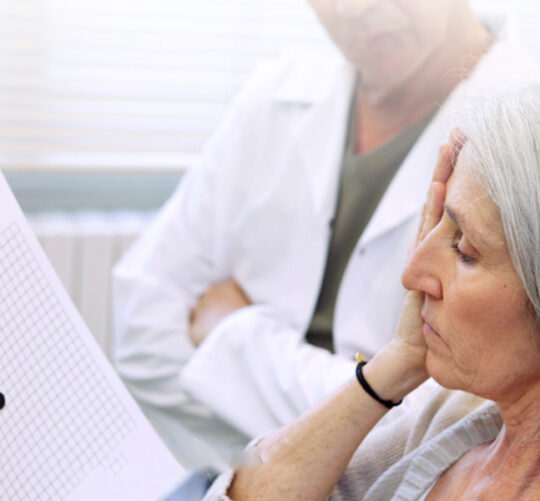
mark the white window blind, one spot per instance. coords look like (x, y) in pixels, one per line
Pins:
(140, 84)
(129, 84)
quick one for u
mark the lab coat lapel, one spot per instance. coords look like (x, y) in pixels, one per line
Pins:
(316, 149)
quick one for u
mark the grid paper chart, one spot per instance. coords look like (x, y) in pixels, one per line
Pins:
(47, 447)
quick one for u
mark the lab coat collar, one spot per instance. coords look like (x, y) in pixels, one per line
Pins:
(313, 78)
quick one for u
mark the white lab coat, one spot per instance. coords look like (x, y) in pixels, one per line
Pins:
(258, 209)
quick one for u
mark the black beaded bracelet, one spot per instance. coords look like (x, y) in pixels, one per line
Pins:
(360, 376)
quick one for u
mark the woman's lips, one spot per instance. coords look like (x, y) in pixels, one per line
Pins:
(429, 331)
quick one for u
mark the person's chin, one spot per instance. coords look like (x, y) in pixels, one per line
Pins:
(398, 67)
(440, 371)
(384, 77)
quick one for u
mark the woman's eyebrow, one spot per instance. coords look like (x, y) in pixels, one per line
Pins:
(475, 235)
(461, 223)
(453, 215)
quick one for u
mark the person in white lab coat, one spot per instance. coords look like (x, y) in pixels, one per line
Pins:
(220, 303)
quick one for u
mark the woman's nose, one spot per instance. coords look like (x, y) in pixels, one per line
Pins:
(354, 8)
(422, 267)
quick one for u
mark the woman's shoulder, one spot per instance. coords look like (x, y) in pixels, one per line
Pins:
(436, 424)
(435, 409)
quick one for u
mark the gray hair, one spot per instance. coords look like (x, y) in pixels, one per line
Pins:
(503, 137)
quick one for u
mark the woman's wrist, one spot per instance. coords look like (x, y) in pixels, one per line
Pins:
(392, 375)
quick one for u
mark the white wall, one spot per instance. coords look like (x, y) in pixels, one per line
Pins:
(525, 14)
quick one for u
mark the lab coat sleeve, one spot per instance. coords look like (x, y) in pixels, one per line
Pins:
(257, 373)
(154, 287)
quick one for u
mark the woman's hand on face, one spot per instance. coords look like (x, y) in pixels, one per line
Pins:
(409, 340)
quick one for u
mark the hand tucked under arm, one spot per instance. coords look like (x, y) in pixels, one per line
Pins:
(213, 306)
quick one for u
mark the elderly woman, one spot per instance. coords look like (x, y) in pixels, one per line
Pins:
(469, 320)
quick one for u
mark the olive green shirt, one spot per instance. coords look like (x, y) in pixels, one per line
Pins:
(364, 179)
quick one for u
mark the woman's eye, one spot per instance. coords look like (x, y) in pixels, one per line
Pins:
(464, 257)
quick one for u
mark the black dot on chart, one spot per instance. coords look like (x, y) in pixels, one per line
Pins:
(2, 400)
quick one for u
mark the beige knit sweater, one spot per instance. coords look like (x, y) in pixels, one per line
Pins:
(407, 452)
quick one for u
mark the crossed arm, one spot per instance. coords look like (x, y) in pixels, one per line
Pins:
(213, 306)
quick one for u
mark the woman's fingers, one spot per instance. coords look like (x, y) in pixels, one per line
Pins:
(434, 206)
(441, 174)
(410, 322)
(445, 163)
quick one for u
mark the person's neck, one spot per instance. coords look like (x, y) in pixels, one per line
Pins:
(521, 415)
(515, 454)
(384, 110)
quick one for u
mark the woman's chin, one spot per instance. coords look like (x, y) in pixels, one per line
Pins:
(440, 372)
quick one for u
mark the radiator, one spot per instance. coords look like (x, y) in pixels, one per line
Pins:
(82, 249)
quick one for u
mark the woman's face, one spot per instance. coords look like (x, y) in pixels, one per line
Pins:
(385, 38)
(478, 326)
